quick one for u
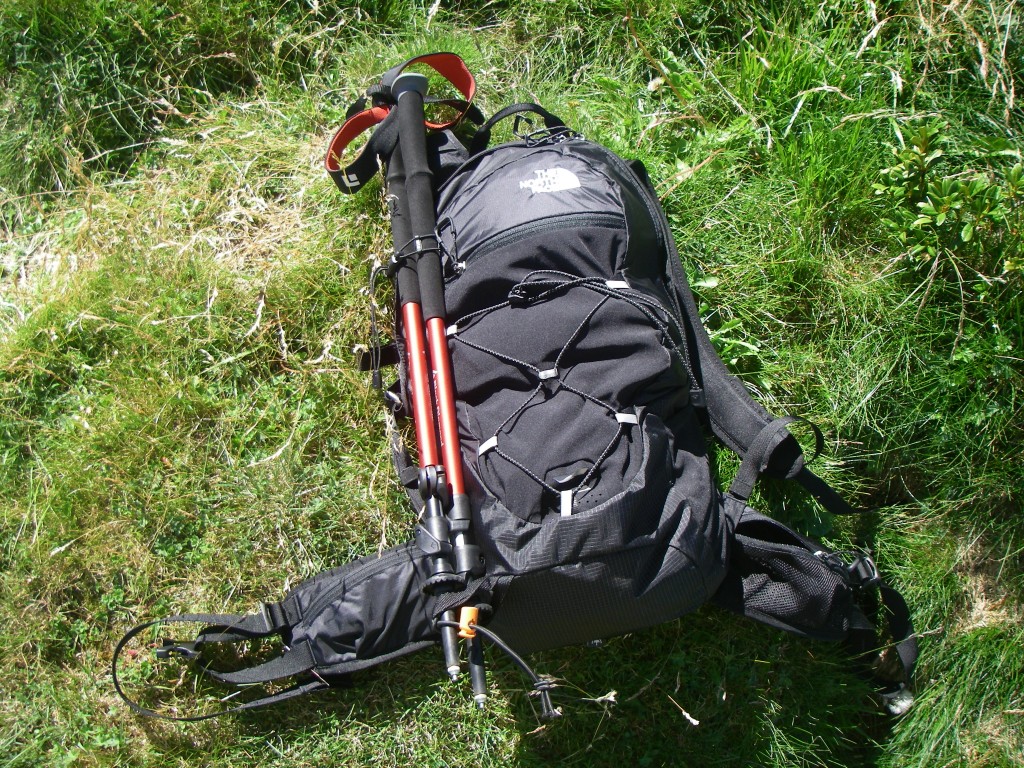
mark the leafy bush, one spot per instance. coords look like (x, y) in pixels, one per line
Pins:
(969, 217)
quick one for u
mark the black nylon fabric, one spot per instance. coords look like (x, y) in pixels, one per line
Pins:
(366, 609)
(777, 578)
(520, 185)
(594, 502)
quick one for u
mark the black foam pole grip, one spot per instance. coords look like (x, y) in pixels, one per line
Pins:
(401, 229)
(412, 138)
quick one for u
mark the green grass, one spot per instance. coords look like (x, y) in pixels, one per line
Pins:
(181, 427)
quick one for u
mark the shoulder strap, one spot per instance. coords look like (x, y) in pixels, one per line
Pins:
(738, 420)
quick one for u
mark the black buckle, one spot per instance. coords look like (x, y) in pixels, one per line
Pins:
(176, 648)
(863, 573)
(859, 574)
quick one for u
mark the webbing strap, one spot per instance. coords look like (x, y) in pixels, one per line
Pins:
(235, 625)
(483, 135)
(901, 628)
(824, 493)
(300, 689)
(757, 456)
(294, 661)
(363, 167)
(275, 618)
(863, 641)
(449, 65)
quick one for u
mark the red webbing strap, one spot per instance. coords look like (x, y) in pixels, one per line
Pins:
(353, 176)
(350, 179)
(453, 69)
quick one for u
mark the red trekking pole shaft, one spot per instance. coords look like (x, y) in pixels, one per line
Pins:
(432, 534)
(417, 363)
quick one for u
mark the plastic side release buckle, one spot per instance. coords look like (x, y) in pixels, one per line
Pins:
(859, 574)
(863, 573)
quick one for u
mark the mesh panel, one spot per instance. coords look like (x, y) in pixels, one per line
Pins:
(776, 578)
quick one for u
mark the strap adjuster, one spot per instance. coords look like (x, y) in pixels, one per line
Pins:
(863, 573)
(275, 616)
(171, 648)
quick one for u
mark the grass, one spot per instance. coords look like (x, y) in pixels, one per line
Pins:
(181, 427)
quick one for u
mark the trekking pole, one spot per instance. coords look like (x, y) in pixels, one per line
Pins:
(446, 536)
(432, 519)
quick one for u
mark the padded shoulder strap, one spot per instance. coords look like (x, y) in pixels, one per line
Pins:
(739, 421)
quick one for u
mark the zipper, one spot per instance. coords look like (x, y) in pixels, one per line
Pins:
(625, 172)
(541, 226)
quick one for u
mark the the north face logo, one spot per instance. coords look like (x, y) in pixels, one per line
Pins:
(551, 180)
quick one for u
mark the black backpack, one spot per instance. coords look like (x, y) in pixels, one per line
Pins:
(585, 385)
